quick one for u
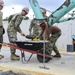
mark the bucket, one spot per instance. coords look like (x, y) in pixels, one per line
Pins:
(70, 48)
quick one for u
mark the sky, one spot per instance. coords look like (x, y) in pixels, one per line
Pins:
(15, 6)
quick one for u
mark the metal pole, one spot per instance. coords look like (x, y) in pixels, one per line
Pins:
(44, 67)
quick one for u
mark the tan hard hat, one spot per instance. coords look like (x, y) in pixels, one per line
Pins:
(1, 3)
(26, 9)
(43, 10)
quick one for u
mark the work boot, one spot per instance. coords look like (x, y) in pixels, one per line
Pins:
(1, 56)
(14, 57)
(17, 55)
(57, 55)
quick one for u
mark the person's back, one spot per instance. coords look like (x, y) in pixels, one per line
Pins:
(52, 30)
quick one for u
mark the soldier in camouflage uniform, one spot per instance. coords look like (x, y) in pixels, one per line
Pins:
(1, 26)
(55, 33)
(36, 28)
(13, 28)
(52, 35)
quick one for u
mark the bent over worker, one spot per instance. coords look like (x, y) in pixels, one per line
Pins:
(13, 28)
(52, 35)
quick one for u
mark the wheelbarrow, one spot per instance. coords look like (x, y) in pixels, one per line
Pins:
(33, 47)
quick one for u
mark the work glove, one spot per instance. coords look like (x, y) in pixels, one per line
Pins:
(36, 39)
(22, 34)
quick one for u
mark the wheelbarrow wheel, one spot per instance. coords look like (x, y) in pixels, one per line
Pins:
(40, 58)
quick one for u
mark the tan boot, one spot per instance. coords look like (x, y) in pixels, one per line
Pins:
(14, 57)
(17, 55)
(57, 55)
(1, 56)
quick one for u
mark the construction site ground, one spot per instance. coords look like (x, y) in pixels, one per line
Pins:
(57, 66)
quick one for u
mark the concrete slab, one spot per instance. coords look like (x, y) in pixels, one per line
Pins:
(57, 66)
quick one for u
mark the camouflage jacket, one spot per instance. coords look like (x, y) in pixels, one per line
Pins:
(15, 25)
(34, 26)
(1, 15)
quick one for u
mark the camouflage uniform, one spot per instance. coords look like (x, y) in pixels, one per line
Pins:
(52, 41)
(55, 33)
(13, 28)
(52, 34)
(1, 29)
(35, 27)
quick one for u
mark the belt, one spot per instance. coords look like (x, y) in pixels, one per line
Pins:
(1, 26)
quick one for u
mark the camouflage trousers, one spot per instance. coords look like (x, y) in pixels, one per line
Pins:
(1, 36)
(51, 44)
(12, 36)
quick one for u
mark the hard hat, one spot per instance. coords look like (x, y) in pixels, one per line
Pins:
(1, 3)
(26, 9)
(43, 10)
